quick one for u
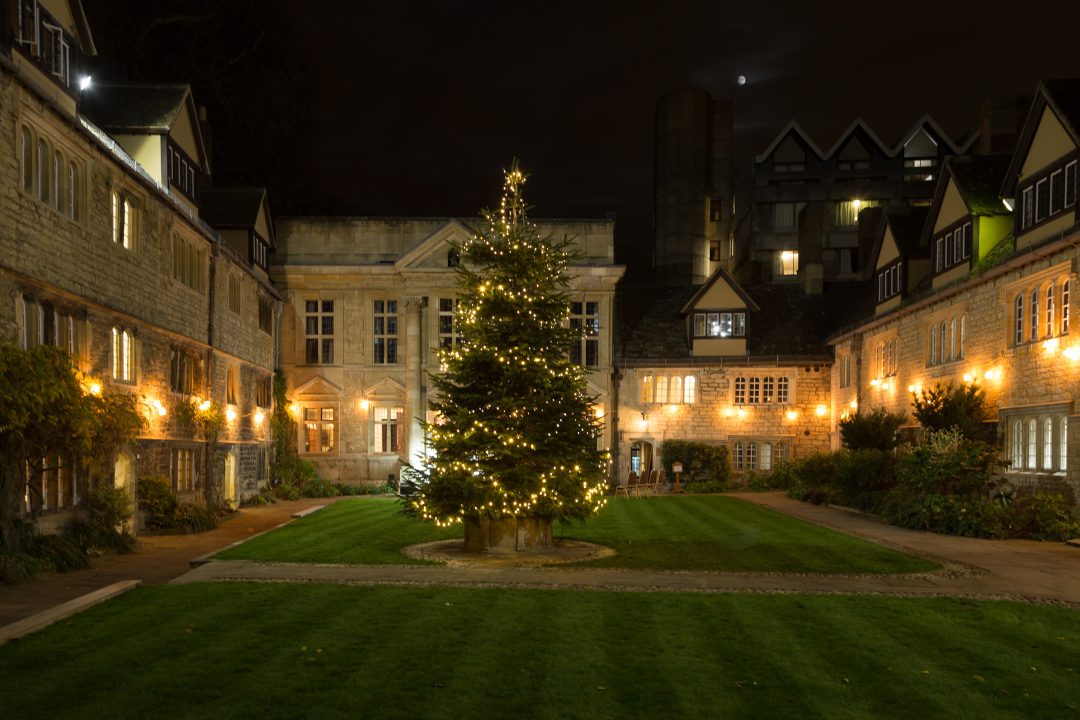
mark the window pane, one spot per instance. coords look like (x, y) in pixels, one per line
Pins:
(328, 306)
(328, 351)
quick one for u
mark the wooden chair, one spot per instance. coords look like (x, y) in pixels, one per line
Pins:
(624, 485)
(661, 480)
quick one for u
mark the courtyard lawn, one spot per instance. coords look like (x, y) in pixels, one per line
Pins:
(239, 650)
(696, 532)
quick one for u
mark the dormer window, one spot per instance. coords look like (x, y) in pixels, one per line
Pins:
(888, 281)
(952, 247)
(42, 38)
(1048, 194)
(181, 172)
(720, 324)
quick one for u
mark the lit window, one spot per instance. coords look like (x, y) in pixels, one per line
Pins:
(1017, 455)
(647, 389)
(1034, 327)
(675, 390)
(1065, 308)
(1032, 444)
(389, 430)
(766, 457)
(754, 394)
(1048, 444)
(690, 390)
(182, 461)
(188, 262)
(787, 262)
(319, 430)
(720, 324)
(1018, 319)
(1063, 444)
(124, 221)
(661, 389)
(123, 355)
(1050, 308)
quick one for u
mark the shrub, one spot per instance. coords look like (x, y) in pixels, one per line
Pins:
(318, 488)
(863, 478)
(353, 490)
(164, 511)
(874, 430)
(1041, 516)
(949, 406)
(101, 521)
(706, 486)
(701, 462)
(813, 478)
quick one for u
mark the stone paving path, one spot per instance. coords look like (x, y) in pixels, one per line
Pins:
(1007, 569)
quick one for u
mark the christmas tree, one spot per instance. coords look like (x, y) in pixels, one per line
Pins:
(516, 435)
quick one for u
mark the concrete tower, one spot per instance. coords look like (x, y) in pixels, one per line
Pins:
(693, 187)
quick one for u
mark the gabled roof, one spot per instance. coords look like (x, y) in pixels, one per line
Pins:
(142, 108)
(1063, 97)
(720, 274)
(857, 124)
(924, 122)
(86, 40)
(906, 225)
(235, 208)
(434, 243)
(978, 179)
(791, 128)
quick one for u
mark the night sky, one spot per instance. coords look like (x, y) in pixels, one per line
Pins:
(413, 109)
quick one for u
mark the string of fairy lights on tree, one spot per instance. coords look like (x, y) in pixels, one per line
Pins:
(517, 431)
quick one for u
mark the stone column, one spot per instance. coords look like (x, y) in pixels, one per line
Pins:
(414, 405)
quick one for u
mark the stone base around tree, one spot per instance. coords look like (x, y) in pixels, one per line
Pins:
(508, 535)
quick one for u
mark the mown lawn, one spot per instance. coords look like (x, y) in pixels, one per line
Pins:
(670, 533)
(240, 650)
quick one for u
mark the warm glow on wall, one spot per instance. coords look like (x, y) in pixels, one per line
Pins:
(230, 414)
(820, 410)
(259, 417)
(94, 388)
(741, 413)
(159, 408)
(915, 388)
(885, 386)
(671, 409)
(294, 409)
(791, 415)
(599, 411)
(875, 382)
(1050, 346)
(204, 405)
(996, 374)
(1073, 353)
(969, 378)
(854, 404)
(728, 412)
(364, 405)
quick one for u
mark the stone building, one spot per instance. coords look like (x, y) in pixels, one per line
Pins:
(103, 253)
(368, 302)
(983, 295)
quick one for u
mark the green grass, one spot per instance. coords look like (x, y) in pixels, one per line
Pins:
(241, 650)
(713, 532)
(670, 533)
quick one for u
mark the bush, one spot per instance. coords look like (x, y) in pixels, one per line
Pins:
(874, 430)
(1041, 516)
(353, 490)
(101, 520)
(164, 511)
(948, 406)
(863, 478)
(813, 478)
(318, 488)
(706, 486)
(701, 462)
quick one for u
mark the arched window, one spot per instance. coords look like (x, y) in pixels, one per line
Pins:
(767, 389)
(43, 171)
(73, 191)
(123, 355)
(766, 456)
(1032, 444)
(1018, 319)
(675, 391)
(892, 357)
(1034, 315)
(1065, 308)
(1017, 445)
(661, 389)
(58, 180)
(1063, 444)
(690, 389)
(1050, 308)
(933, 345)
(647, 389)
(780, 453)
(1048, 444)
(27, 159)
(754, 396)
(963, 334)
(740, 390)
(953, 339)
(943, 337)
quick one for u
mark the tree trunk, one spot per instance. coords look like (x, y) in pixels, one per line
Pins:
(12, 488)
(508, 535)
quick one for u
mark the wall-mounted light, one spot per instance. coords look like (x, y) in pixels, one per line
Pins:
(230, 414)
(820, 410)
(364, 404)
(259, 417)
(204, 405)
(85, 81)
(598, 411)
(792, 415)
(854, 404)
(741, 413)
(94, 388)
(294, 408)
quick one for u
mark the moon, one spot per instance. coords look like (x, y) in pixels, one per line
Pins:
(741, 80)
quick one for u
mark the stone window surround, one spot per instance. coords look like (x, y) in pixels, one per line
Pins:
(1023, 288)
(749, 374)
(1007, 419)
(1027, 193)
(955, 321)
(72, 208)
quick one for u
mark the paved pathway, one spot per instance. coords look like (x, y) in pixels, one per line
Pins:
(1014, 569)
(158, 559)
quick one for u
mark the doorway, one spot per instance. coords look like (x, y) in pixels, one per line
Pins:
(641, 457)
(230, 480)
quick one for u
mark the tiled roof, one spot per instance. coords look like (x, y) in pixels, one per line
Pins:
(789, 322)
(144, 107)
(978, 178)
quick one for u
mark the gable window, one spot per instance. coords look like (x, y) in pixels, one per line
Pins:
(889, 281)
(1048, 194)
(319, 430)
(181, 171)
(719, 324)
(585, 320)
(123, 355)
(124, 221)
(389, 429)
(319, 332)
(384, 330)
(952, 247)
(234, 294)
(188, 263)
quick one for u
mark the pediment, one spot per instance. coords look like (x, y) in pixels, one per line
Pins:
(433, 251)
(385, 389)
(318, 388)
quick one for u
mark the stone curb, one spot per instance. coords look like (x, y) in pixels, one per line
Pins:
(307, 511)
(45, 618)
(208, 557)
